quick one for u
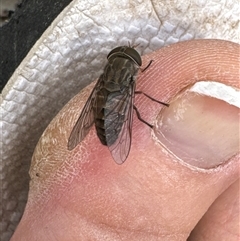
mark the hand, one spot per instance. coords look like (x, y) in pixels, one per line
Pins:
(158, 193)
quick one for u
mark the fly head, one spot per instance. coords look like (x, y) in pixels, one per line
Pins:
(126, 52)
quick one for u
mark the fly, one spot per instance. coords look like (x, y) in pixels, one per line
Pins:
(110, 105)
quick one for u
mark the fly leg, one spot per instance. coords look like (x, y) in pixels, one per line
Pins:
(150, 62)
(151, 98)
(140, 118)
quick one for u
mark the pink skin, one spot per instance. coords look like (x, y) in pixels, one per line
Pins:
(84, 195)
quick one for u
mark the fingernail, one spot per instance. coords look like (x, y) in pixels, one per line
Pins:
(201, 125)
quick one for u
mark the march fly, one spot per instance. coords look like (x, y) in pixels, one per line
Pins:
(110, 105)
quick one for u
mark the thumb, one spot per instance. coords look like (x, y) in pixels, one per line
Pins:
(173, 174)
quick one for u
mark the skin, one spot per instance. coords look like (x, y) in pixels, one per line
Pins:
(84, 195)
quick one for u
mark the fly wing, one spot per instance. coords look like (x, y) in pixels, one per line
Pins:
(85, 120)
(121, 147)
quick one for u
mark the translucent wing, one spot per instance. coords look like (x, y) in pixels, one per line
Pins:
(121, 147)
(85, 120)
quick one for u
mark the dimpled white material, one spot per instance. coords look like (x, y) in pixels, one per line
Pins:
(71, 54)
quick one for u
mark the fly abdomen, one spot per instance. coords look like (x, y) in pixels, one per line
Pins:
(110, 118)
(108, 129)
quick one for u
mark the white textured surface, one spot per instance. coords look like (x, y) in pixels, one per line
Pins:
(219, 91)
(71, 53)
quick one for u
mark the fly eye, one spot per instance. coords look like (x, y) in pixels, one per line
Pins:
(128, 52)
(115, 51)
(134, 55)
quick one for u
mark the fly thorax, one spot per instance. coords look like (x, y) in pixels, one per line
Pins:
(112, 86)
